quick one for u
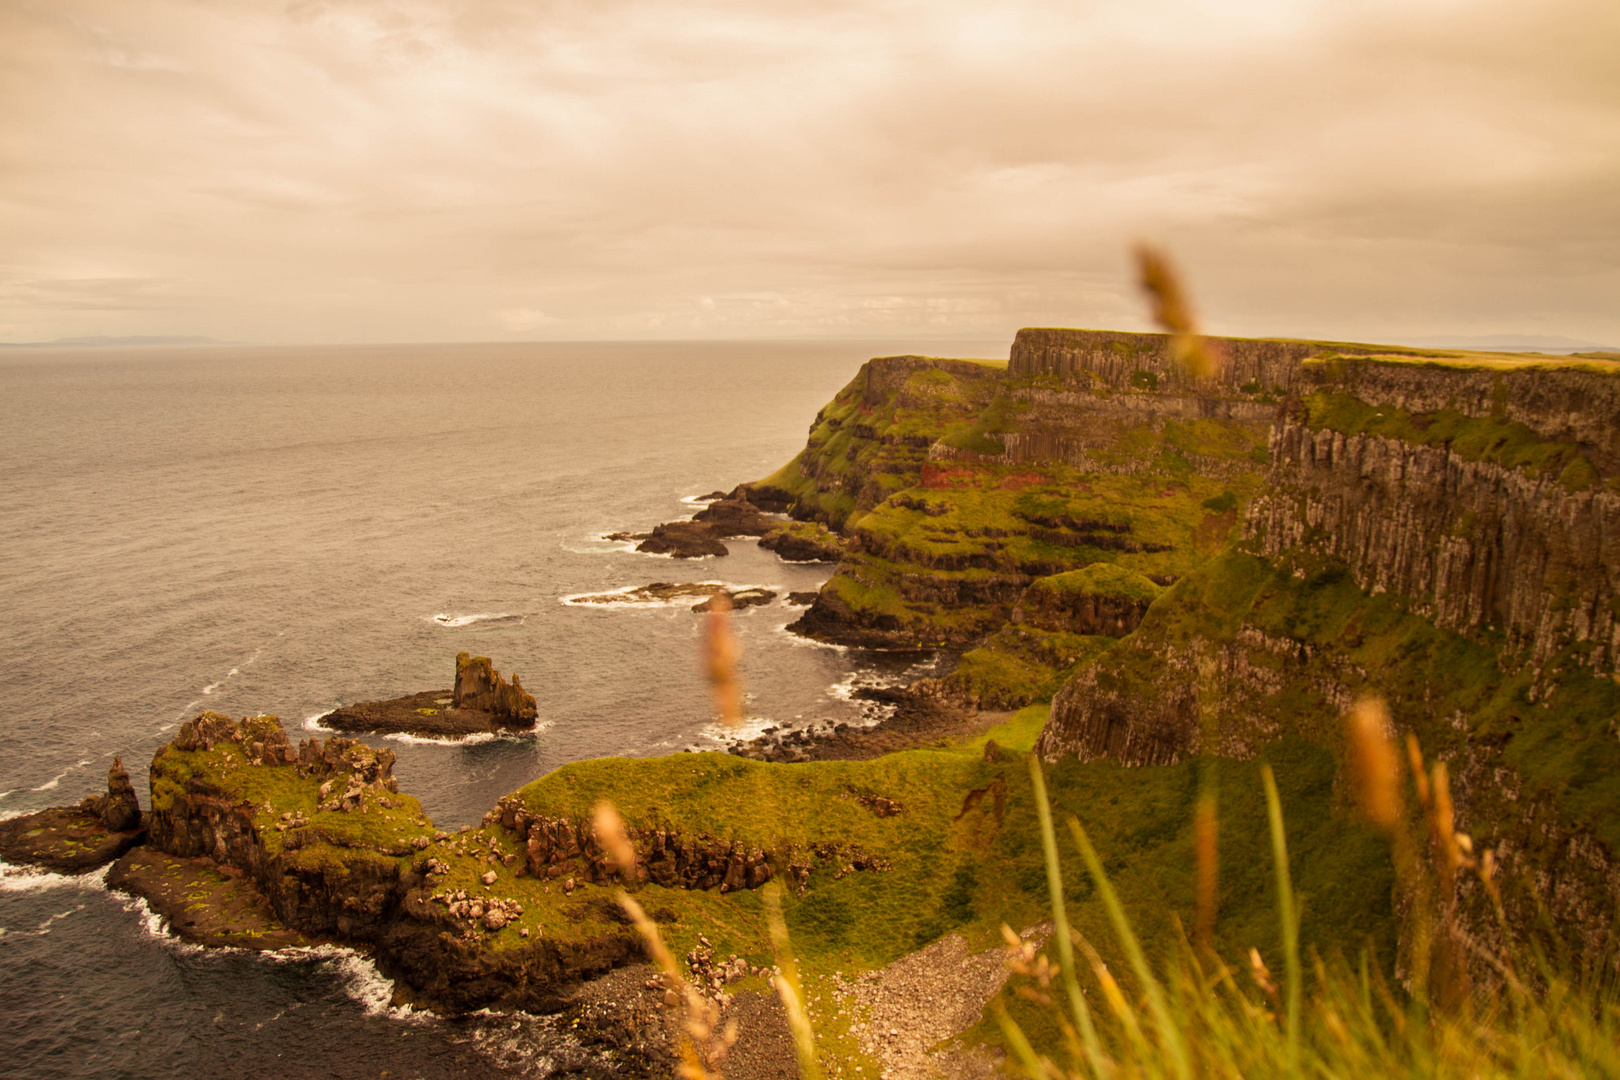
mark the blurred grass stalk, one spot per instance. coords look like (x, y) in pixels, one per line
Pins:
(1196, 1021)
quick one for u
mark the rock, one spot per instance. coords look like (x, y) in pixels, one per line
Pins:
(683, 540)
(735, 517)
(742, 598)
(803, 542)
(480, 686)
(64, 839)
(117, 810)
(801, 599)
(488, 877)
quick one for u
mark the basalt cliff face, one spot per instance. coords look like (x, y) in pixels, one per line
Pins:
(1445, 532)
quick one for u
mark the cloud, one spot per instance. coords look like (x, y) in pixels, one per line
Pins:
(420, 169)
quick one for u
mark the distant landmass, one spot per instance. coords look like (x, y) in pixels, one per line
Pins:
(103, 342)
(1508, 343)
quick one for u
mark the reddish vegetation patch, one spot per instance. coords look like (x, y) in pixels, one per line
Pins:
(1018, 481)
(939, 476)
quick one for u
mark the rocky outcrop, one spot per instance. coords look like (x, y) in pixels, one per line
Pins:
(355, 885)
(117, 810)
(734, 517)
(1101, 599)
(63, 839)
(479, 686)
(77, 839)
(568, 847)
(723, 517)
(803, 542)
(679, 539)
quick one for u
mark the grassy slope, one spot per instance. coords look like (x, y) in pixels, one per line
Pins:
(970, 871)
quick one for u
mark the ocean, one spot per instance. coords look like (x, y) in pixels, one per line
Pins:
(285, 530)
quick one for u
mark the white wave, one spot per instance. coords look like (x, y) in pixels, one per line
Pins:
(447, 740)
(697, 500)
(590, 599)
(452, 621)
(157, 927)
(749, 727)
(20, 879)
(369, 988)
(807, 642)
(3, 794)
(477, 738)
(313, 723)
(54, 782)
(601, 545)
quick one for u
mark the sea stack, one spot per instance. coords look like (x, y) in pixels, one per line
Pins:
(480, 686)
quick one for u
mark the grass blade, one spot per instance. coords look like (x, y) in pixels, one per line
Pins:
(1060, 924)
(1170, 1036)
(1287, 912)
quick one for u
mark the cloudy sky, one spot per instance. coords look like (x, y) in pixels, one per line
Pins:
(490, 170)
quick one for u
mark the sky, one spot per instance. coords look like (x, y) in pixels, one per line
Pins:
(484, 170)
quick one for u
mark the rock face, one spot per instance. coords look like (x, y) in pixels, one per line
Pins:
(1475, 546)
(479, 686)
(563, 847)
(117, 810)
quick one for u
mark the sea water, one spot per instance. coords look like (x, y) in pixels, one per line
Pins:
(286, 530)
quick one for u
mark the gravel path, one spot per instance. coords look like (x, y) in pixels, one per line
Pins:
(901, 1013)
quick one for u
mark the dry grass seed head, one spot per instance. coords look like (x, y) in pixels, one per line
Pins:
(1374, 763)
(720, 654)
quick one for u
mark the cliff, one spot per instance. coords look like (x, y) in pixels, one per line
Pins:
(960, 487)
(1441, 531)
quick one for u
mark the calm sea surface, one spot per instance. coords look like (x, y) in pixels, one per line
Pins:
(285, 530)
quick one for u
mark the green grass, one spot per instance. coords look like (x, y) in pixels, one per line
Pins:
(1020, 665)
(1101, 579)
(1186, 1015)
